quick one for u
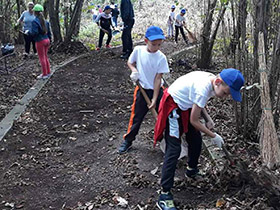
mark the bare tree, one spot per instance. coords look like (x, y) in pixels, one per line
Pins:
(54, 19)
(74, 26)
(208, 39)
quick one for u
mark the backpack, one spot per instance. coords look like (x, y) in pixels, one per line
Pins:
(7, 49)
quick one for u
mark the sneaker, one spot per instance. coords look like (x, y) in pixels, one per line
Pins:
(125, 146)
(41, 76)
(46, 76)
(165, 201)
(98, 48)
(125, 56)
(108, 46)
(192, 172)
(25, 55)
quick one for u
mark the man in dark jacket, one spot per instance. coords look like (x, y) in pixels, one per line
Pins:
(127, 15)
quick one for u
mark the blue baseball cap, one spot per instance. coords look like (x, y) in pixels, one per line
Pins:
(235, 80)
(173, 6)
(107, 7)
(154, 33)
(183, 11)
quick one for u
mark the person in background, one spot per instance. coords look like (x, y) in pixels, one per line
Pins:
(127, 15)
(147, 64)
(99, 9)
(26, 18)
(115, 14)
(104, 21)
(180, 109)
(170, 22)
(94, 15)
(41, 32)
(180, 22)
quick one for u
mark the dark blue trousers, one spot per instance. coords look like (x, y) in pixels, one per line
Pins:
(173, 150)
(101, 35)
(28, 40)
(126, 36)
(139, 110)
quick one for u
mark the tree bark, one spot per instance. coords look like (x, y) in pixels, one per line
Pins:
(275, 68)
(205, 52)
(54, 20)
(75, 21)
(208, 39)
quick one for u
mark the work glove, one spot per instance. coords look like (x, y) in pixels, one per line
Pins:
(134, 76)
(26, 32)
(217, 140)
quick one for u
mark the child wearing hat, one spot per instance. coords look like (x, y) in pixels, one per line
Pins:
(147, 64)
(170, 22)
(41, 33)
(104, 21)
(180, 21)
(181, 106)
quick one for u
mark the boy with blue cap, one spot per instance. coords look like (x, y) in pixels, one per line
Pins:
(147, 64)
(180, 21)
(180, 109)
(104, 21)
(170, 22)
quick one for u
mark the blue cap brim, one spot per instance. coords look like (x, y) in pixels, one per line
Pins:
(236, 95)
(156, 37)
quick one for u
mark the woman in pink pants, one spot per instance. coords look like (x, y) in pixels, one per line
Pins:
(42, 36)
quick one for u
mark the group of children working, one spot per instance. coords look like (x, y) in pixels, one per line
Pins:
(37, 30)
(179, 108)
(179, 21)
(108, 19)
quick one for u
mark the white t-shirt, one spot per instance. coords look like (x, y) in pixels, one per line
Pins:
(179, 20)
(192, 88)
(148, 65)
(172, 17)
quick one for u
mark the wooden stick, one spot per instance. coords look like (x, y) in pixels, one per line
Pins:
(147, 99)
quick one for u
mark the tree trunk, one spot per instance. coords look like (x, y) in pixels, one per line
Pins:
(269, 144)
(208, 40)
(275, 68)
(75, 21)
(54, 19)
(205, 52)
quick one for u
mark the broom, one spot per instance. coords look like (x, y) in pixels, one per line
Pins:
(191, 36)
(269, 144)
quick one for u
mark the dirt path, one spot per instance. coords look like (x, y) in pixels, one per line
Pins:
(62, 153)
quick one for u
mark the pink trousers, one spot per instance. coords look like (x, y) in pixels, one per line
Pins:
(42, 49)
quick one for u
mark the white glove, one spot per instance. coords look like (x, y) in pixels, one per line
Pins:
(26, 32)
(217, 140)
(134, 76)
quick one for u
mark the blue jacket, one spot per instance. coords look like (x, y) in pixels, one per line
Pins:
(127, 12)
(37, 31)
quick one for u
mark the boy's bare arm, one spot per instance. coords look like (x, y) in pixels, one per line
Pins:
(132, 66)
(194, 119)
(157, 83)
(208, 120)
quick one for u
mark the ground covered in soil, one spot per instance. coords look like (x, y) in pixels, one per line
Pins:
(62, 152)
